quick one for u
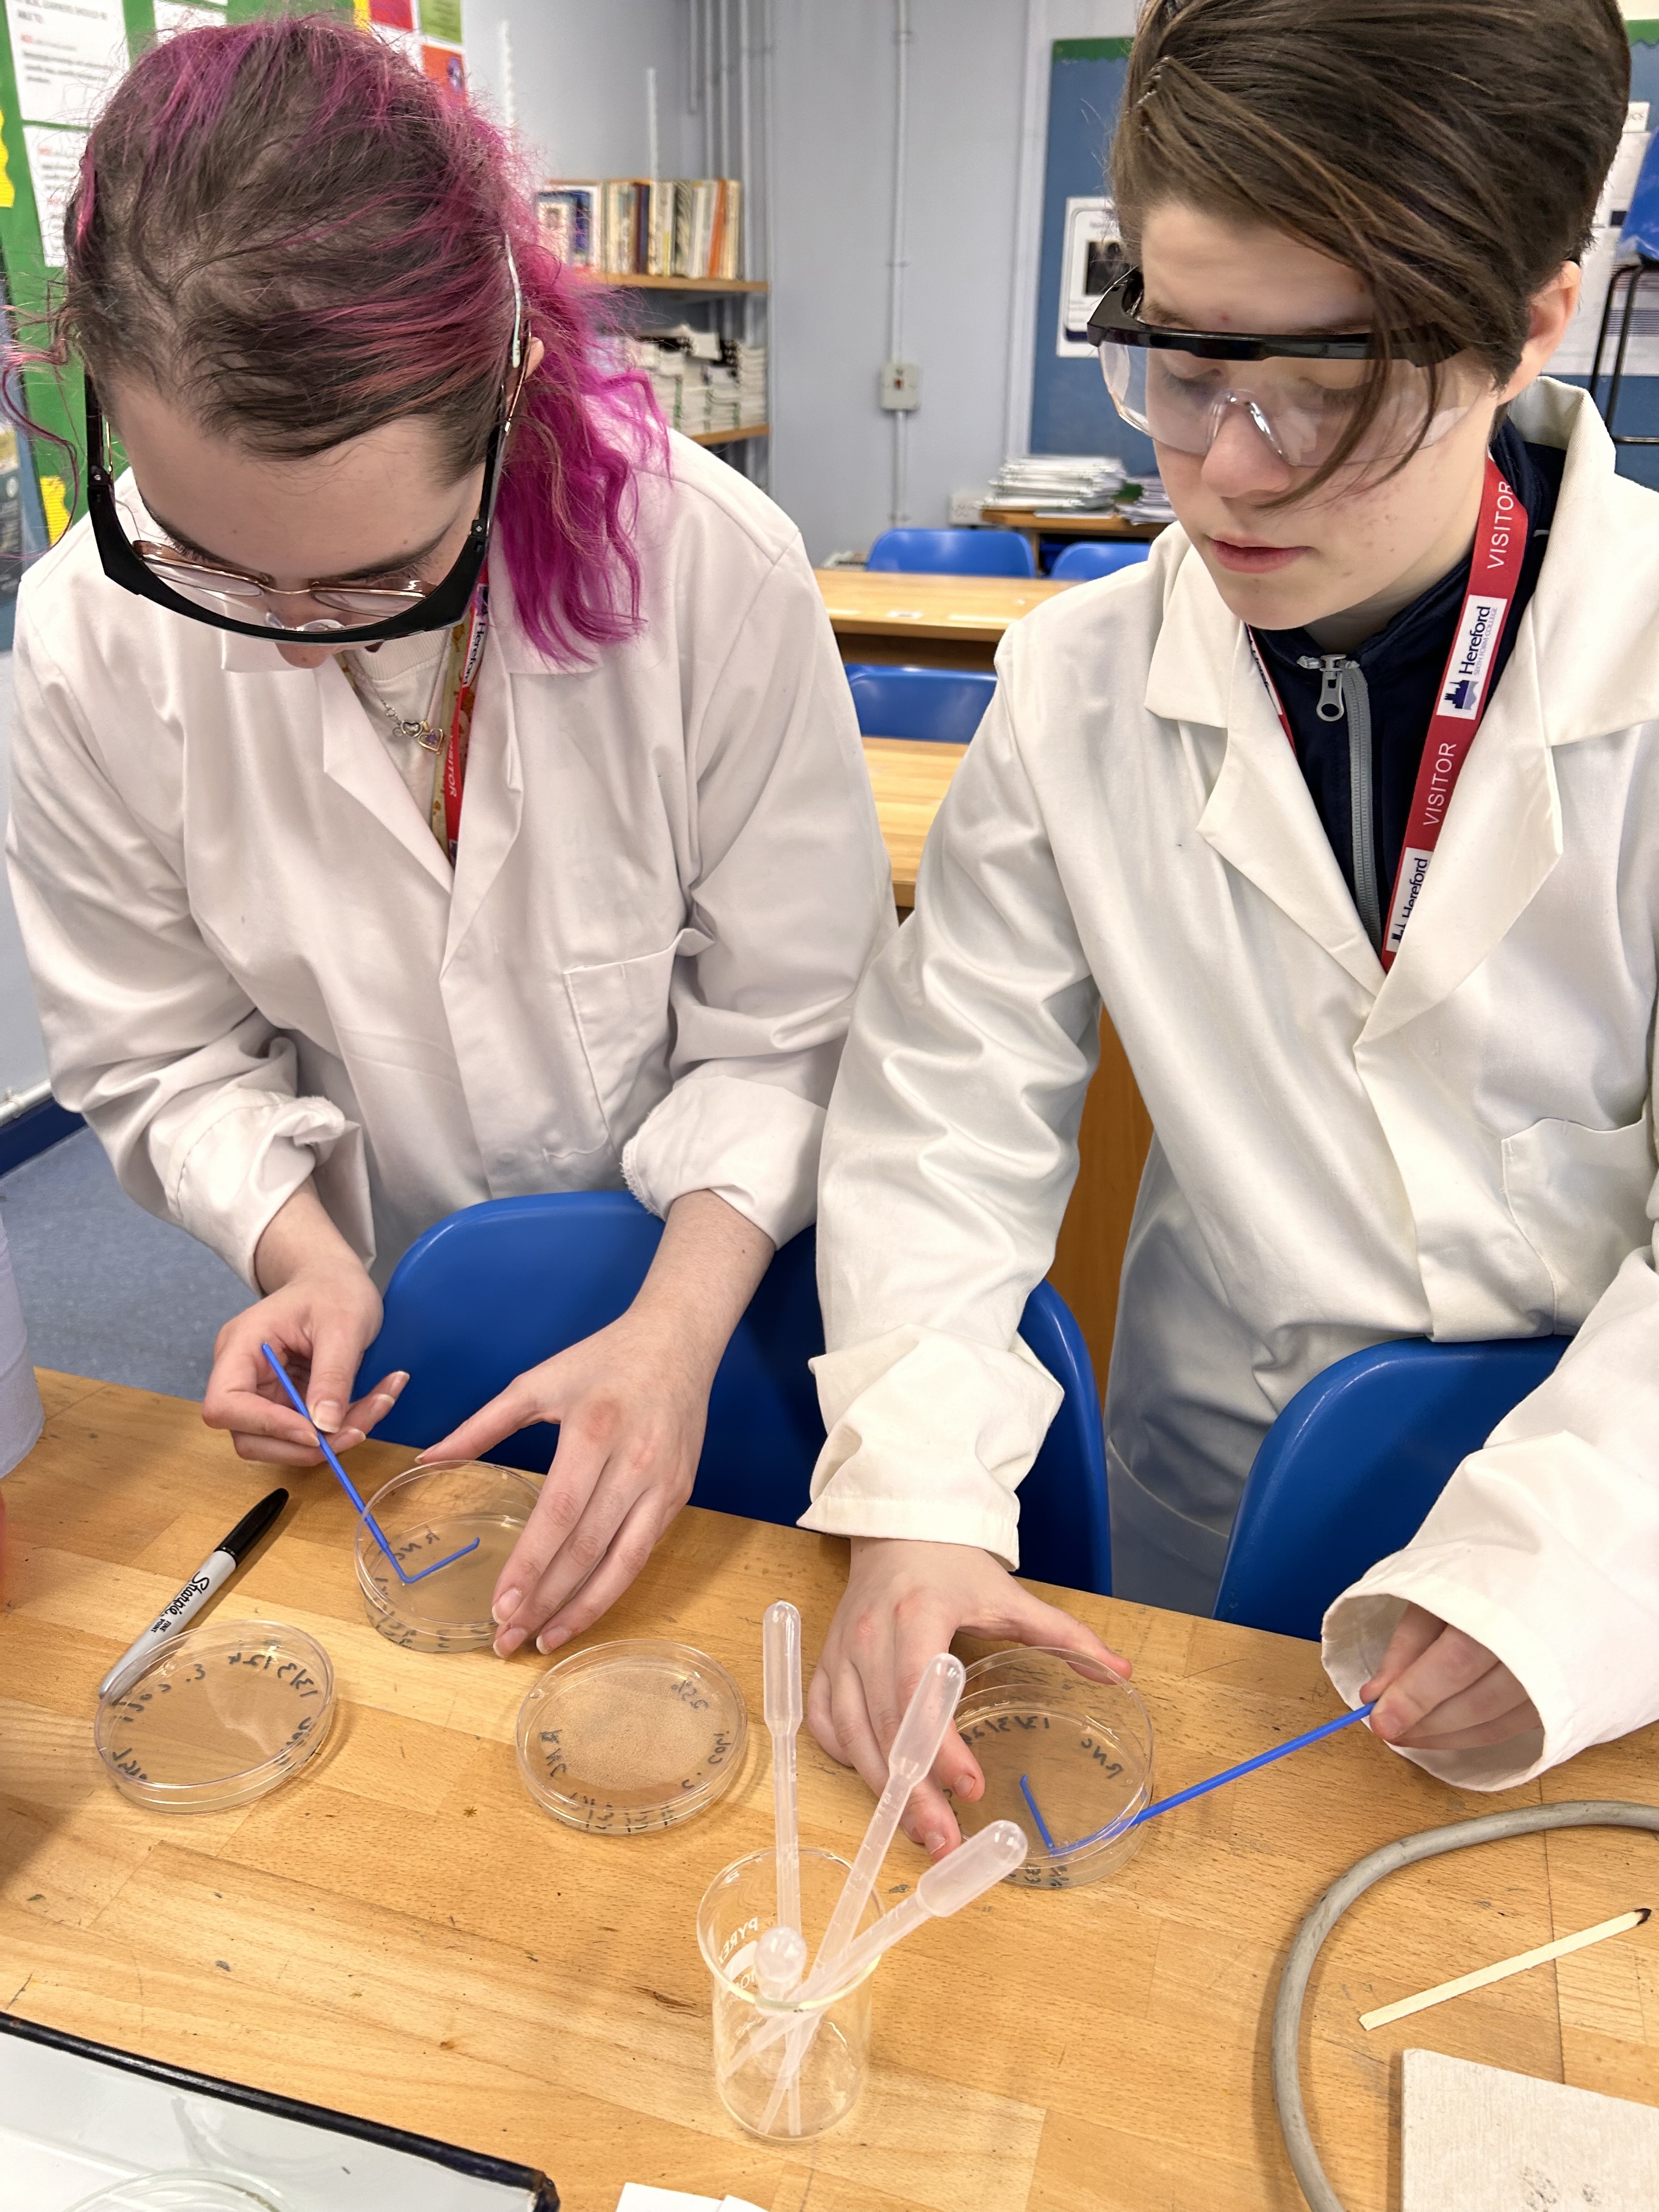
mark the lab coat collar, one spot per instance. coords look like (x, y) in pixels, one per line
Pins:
(355, 758)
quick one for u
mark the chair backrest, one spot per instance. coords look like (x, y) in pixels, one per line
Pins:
(944, 703)
(954, 552)
(1347, 1472)
(1091, 557)
(495, 1288)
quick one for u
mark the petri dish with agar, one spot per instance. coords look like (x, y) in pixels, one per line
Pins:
(427, 1512)
(626, 1739)
(1065, 1749)
(219, 1715)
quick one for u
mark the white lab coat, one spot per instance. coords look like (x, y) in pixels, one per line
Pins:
(1462, 1150)
(251, 958)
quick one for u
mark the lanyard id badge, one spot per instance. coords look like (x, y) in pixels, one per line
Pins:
(467, 648)
(1500, 546)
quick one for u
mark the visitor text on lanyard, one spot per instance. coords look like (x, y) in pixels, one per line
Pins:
(1500, 545)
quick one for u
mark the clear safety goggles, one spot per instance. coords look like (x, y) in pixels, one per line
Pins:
(1300, 394)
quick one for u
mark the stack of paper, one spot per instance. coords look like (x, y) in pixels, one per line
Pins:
(1072, 482)
(1152, 504)
(748, 364)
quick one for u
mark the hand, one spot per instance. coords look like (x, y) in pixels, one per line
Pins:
(1438, 1690)
(904, 1602)
(631, 1402)
(321, 1315)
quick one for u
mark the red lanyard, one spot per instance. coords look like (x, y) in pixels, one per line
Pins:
(1500, 546)
(464, 677)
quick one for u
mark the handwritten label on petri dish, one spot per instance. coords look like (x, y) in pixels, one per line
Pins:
(218, 1716)
(1075, 1773)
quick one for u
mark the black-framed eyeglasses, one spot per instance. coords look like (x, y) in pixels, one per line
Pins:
(356, 614)
(1117, 320)
(1310, 396)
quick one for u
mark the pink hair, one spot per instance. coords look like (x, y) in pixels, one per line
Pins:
(301, 236)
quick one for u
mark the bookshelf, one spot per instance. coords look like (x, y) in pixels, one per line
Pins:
(730, 437)
(705, 284)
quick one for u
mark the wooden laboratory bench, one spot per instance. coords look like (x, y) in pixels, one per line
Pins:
(933, 621)
(402, 1934)
(1035, 524)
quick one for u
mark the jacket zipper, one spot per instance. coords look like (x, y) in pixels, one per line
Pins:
(1343, 692)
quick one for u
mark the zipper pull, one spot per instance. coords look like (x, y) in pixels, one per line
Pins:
(1332, 667)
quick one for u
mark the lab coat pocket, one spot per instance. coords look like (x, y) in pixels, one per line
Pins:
(1580, 1197)
(621, 1013)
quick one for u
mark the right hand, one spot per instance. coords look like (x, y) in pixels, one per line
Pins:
(904, 1602)
(321, 1314)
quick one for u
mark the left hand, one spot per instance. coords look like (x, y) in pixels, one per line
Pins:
(630, 1406)
(631, 1402)
(1438, 1690)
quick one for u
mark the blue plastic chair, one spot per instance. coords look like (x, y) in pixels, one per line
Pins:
(494, 1288)
(946, 704)
(1348, 1471)
(1081, 562)
(953, 553)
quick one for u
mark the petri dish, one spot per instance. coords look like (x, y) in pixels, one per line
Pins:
(427, 1513)
(1065, 1749)
(180, 2192)
(222, 1714)
(626, 1739)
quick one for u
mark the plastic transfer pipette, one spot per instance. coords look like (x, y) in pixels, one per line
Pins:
(350, 1487)
(915, 1749)
(972, 1869)
(781, 1675)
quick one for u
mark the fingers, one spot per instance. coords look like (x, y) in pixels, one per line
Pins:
(1453, 1695)
(1414, 1632)
(629, 1549)
(1033, 1621)
(513, 1409)
(366, 1413)
(337, 1346)
(577, 1467)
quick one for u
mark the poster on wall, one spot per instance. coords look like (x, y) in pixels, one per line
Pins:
(1093, 261)
(54, 164)
(1576, 353)
(69, 56)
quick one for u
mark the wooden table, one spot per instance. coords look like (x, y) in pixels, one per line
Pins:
(909, 776)
(1035, 524)
(933, 621)
(402, 1934)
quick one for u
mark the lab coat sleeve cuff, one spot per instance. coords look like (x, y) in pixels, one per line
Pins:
(755, 1145)
(247, 1152)
(1497, 1559)
(928, 1435)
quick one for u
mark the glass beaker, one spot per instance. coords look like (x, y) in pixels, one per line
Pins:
(737, 1907)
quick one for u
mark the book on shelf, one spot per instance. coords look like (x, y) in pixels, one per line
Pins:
(686, 227)
(700, 382)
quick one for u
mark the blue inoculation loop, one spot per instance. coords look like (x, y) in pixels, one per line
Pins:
(350, 1487)
(1049, 1845)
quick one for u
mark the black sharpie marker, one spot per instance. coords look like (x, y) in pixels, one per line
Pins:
(212, 1575)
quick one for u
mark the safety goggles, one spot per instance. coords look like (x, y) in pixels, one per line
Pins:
(247, 605)
(1301, 394)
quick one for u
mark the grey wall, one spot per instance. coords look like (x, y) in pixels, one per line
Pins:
(579, 81)
(832, 467)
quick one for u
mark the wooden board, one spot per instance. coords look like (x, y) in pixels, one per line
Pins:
(862, 603)
(401, 1933)
(910, 777)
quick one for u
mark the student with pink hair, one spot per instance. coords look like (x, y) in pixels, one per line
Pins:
(433, 781)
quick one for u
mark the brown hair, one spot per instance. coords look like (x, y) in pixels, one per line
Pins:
(1451, 152)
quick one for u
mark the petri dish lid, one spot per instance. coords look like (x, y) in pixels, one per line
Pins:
(1065, 1749)
(222, 1714)
(625, 1739)
(177, 2193)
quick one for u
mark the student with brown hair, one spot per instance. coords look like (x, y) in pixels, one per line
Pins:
(1346, 805)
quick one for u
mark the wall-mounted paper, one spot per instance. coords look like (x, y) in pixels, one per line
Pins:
(54, 167)
(69, 56)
